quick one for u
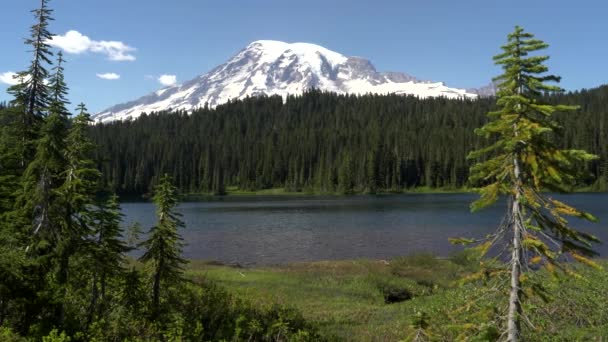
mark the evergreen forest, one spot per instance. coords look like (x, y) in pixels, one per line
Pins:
(326, 143)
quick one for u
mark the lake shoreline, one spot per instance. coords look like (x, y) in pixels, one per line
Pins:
(278, 192)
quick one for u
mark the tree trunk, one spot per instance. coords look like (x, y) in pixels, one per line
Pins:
(514, 315)
(515, 311)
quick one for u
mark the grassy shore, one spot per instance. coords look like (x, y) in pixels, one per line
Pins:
(234, 191)
(378, 300)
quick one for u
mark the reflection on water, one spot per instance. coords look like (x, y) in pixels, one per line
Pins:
(281, 229)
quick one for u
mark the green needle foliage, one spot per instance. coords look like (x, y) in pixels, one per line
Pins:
(107, 256)
(80, 177)
(523, 163)
(42, 180)
(163, 247)
(58, 101)
(37, 91)
(32, 94)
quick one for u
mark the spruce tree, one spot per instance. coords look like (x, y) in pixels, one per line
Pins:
(10, 158)
(39, 199)
(522, 164)
(54, 236)
(80, 176)
(163, 246)
(31, 93)
(58, 89)
(107, 252)
(80, 179)
(346, 176)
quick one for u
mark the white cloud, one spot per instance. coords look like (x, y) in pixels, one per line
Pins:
(75, 42)
(8, 78)
(109, 76)
(168, 80)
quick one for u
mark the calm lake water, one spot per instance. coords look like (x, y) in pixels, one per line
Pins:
(260, 230)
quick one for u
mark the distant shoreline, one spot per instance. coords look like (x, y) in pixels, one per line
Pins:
(234, 192)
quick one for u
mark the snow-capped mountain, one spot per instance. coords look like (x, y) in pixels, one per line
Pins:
(277, 68)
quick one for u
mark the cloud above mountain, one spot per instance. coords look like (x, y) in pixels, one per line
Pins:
(167, 80)
(109, 76)
(74, 42)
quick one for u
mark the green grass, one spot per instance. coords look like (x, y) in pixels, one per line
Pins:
(347, 299)
(235, 191)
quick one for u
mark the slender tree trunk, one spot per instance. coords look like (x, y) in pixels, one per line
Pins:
(514, 314)
(515, 311)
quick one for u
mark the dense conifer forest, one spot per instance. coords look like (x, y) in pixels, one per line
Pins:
(325, 143)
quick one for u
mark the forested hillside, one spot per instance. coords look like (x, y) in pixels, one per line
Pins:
(323, 142)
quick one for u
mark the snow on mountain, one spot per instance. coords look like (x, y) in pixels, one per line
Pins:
(277, 68)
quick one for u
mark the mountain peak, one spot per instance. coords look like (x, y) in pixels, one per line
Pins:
(277, 47)
(271, 51)
(271, 67)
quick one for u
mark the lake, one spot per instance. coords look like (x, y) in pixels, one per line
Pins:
(264, 230)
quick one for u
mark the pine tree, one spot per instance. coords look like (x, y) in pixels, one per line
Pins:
(58, 89)
(31, 94)
(372, 172)
(163, 247)
(10, 158)
(524, 162)
(108, 252)
(39, 198)
(346, 176)
(81, 176)
(80, 179)
(53, 212)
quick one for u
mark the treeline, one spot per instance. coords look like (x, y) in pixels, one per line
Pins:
(323, 142)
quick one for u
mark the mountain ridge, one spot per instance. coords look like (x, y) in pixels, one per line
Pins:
(269, 67)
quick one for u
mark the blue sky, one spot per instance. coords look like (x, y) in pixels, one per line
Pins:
(450, 41)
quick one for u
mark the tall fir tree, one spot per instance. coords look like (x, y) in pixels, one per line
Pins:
(81, 177)
(80, 182)
(107, 253)
(58, 89)
(31, 93)
(39, 197)
(54, 234)
(43, 177)
(523, 163)
(163, 246)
